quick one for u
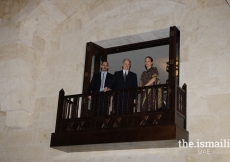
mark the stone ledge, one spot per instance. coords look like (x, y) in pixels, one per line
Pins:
(120, 146)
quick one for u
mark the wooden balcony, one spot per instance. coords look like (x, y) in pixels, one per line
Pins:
(82, 123)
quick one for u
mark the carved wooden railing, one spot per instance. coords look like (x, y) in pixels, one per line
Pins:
(77, 112)
(83, 121)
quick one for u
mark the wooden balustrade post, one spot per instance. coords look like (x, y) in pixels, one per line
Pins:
(84, 108)
(172, 99)
(59, 110)
(184, 87)
(94, 106)
(131, 94)
(108, 102)
(136, 96)
(156, 98)
(131, 100)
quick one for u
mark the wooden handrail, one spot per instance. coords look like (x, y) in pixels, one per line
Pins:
(77, 108)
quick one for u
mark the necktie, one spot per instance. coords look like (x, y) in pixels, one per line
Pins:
(102, 81)
(125, 75)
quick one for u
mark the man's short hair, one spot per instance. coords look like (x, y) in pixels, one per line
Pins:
(106, 62)
(128, 60)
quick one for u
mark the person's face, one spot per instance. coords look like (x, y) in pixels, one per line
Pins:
(148, 63)
(104, 66)
(126, 65)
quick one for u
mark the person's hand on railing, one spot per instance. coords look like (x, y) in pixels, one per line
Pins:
(89, 97)
(107, 89)
(134, 101)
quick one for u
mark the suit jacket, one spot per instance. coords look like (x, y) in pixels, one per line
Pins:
(119, 83)
(95, 83)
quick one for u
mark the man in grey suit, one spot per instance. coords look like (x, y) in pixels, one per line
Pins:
(97, 84)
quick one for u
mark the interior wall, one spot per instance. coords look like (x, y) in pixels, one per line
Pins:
(159, 54)
(64, 27)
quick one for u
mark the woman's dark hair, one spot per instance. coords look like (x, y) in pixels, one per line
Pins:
(151, 59)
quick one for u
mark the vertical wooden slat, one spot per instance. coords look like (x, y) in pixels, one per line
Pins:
(123, 97)
(147, 99)
(94, 106)
(142, 94)
(99, 104)
(91, 106)
(136, 105)
(118, 100)
(81, 102)
(73, 109)
(113, 109)
(105, 101)
(86, 105)
(68, 108)
(156, 98)
(77, 106)
(128, 102)
(108, 102)
(184, 87)
(65, 110)
(162, 96)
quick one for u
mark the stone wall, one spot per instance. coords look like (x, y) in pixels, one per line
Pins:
(42, 49)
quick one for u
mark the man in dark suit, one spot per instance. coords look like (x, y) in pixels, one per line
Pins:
(123, 79)
(97, 84)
